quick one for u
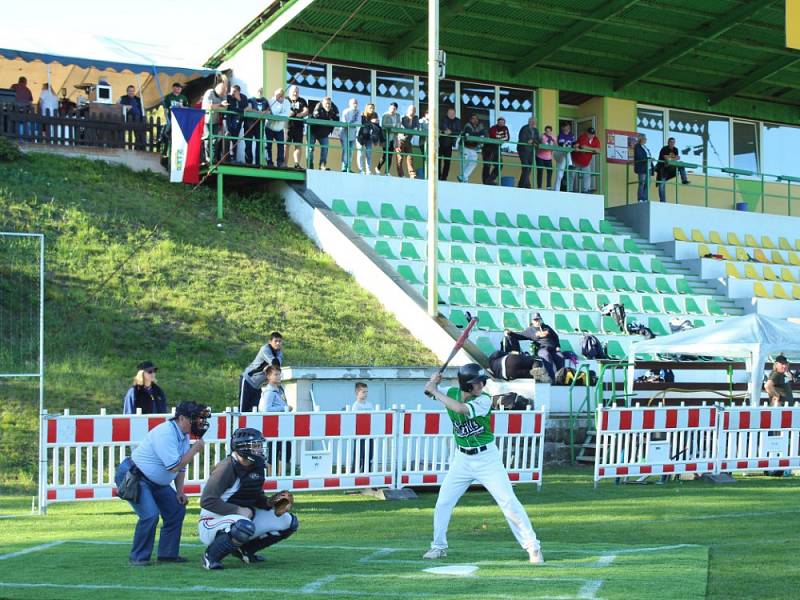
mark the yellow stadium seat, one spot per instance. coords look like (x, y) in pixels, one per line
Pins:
(697, 236)
(784, 244)
(723, 252)
(715, 238)
(750, 272)
(759, 255)
(779, 292)
(750, 240)
(679, 234)
(796, 292)
(732, 271)
(787, 275)
(797, 244)
(794, 259)
(769, 274)
(702, 250)
(741, 254)
(733, 239)
(766, 242)
(777, 258)
(760, 291)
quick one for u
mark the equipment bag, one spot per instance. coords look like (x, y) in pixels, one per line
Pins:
(564, 376)
(591, 347)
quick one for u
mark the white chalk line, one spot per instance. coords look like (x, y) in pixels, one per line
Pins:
(377, 554)
(315, 585)
(31, 549)
(732, 515)
(590, 589)
(10, 516)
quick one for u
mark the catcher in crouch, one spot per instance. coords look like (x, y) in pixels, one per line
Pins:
(236, 517)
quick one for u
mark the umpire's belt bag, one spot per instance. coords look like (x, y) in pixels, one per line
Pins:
(129, 486)
(472, 451)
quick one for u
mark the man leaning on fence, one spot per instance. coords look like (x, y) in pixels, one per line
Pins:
(214, 99)
(777, 386)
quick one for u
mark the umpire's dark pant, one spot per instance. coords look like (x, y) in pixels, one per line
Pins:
(249, 397)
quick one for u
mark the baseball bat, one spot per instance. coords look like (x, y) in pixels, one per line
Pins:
(462, 339)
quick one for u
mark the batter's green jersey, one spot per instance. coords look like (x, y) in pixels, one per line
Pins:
(474, 429)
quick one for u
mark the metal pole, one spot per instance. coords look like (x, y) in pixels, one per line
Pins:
(42, 450)
(433, 153)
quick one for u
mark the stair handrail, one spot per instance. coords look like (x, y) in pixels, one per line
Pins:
(613, 366)
(585, 406)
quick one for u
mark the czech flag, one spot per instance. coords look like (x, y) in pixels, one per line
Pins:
(187, 140)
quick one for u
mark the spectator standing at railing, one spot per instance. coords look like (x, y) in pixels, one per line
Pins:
(527, 140)
(22, 93)
(324, 111)
(134, 104)
(145, 393)
(422, 140)
(253, 377)
(641, 166)
(298, 109)
(252, 128)
(352, 117)
(566, 140)
(175, 98)
(48, 107)
(449, 132)
(404, 141)
(544, 159)
(587, 143)
(234, 117)
(391, 119)
(473, 128)
(492, 153)
(369, 135)
(214, 100)
(364, 448)
(777, 386)
(273, 130)
(273, 399)
(664, 170)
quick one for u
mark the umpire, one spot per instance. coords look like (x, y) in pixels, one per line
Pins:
(253, 376)
(145, 481)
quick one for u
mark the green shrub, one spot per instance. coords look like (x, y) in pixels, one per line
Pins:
(9, 151)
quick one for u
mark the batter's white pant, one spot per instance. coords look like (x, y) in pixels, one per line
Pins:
(265, 522)
(487, 469)
(470, 162)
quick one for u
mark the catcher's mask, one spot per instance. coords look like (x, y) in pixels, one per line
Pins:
(248, 443)
(197, 414)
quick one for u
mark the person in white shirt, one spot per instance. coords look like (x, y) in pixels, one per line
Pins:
(352, 117)
(363, 448)
(274, 130)
(48, 106)
(273, 399)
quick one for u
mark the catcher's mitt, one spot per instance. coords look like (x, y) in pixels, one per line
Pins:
(282, 502)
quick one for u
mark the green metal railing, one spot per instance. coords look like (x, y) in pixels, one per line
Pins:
(586, 409)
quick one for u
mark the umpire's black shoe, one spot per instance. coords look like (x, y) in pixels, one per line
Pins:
(211, 564)
(172, 559)
(248, 557)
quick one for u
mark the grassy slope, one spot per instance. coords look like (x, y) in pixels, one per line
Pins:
(197, 300)
(746, 531)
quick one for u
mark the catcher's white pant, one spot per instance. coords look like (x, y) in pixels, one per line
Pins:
(487, 469)
(265, 522)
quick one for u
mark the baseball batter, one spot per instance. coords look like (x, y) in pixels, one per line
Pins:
(476, 459)
(236, 517)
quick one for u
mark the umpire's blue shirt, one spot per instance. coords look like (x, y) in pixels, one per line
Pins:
(161, 450)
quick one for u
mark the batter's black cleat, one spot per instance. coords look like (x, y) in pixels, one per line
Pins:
(246, 557)
(211, 565)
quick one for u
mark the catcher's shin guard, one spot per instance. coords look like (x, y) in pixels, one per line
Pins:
(269, 539)
(226, 542)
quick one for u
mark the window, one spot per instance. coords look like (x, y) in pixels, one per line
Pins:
(779, 143)
(478, 99)
(393, 87)
(517, 107)
(310, 78)
(350, 82)
(701, 139)
(745, 146)
(447, 95)
(650, 121)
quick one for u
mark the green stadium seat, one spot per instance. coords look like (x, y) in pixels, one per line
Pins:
(614, 350)
(606, 227)
(562, 324)
(532, 300)
(410, 231)
(507, 278)
(524, 239)
(567, 347)
(480, 218)
(614, 264)
(388, 212)
(508, 299)
(629, 303)
(457, 276)
(602, 300)
(458, 318)
(663, 286)
(558, 302)
(361, 228)
(385, 229)
(580, 302)
(546, 224)
(630, 246)
(571, 261)
(551, 260)
(481, 236)
(568, 242)
(599, 283)
(657, 327)
(439, 277)
(576, 282)
(699, 323)
(484, 298)
(649, 305)
(505, 257)
(442, 218)
(671, 306)
(609, 325)
(407, 251)
(485, 321)
(456, 297)
(383, 249)
(485, 345)
(439, 255)
(588, 244)
(412, 213)
(586, 226)
(457, 254)
(554, 281)
(482, 256)
(482, 278)
(594, 263)
(636, 265)
(364, 209)
(641, 285)
(714, 308)
(656, 266)
(504, 238)
(529, 280)
(339, 206)
(524, 222)
(511, 321)
(609, 245)
(684, 287)
(692, 307)
(442, 236)
(501, 220)
(621, 284)
(458, 216)
(425, 295)
(546, 240)
(407, 273)
(587, 325)
(528, 258)
(564, 224)
(457, 234)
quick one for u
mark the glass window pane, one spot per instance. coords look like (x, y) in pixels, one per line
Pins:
(701, 139)
(478, 99)
(447, 95)
(350, 82)
(778, 149)
(393, 87)
(650, 121)
(311, 79)
(517, 107)
(745, 146)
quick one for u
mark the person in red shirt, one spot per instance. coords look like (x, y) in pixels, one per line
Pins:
(582, 161)
(491, 152)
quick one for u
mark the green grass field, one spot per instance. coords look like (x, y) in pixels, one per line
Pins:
(682, 540)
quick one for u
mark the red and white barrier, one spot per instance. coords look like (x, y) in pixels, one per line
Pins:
(759, 438)
(655, 441)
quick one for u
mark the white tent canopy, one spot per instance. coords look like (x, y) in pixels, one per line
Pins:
(752, 337)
